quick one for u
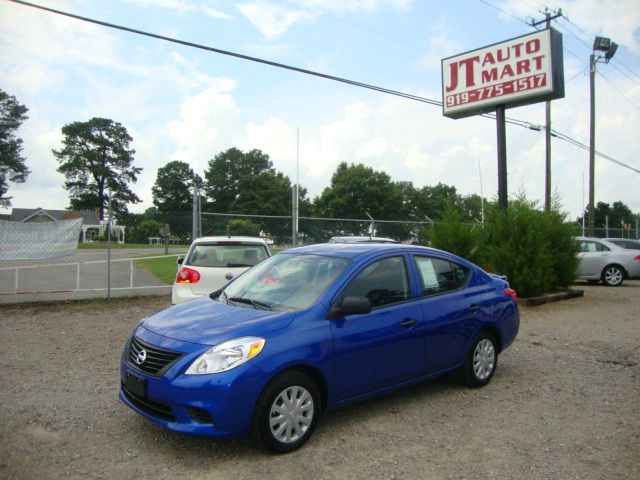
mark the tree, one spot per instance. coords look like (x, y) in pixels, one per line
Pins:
(95, 159)
(357, 190)
(12, 164)
(615, 214)
(173, 190)
(437, 199)
(246, 183)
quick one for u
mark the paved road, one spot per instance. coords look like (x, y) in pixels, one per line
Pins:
(83, 275)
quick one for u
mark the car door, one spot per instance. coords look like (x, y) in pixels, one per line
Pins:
(593, 257)
(449, 309)
(384, 347)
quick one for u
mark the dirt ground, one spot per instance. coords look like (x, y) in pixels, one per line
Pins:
(564, 404)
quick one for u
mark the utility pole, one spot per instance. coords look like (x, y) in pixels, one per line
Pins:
(547, 177)
(592, 142)
(609, 48)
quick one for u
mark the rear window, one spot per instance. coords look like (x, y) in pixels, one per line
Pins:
(226, 255)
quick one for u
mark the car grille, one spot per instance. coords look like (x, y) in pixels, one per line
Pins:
(157, 359)
(155, 409)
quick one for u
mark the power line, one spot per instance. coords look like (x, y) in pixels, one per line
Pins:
(619, 90)
(229, 53)
(503, 11)
(615, 61)
(513, 121)
(360, 27)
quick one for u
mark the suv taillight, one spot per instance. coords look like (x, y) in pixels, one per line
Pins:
(187, 275)
(511, 292)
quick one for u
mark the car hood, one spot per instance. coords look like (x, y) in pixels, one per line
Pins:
(208, 322)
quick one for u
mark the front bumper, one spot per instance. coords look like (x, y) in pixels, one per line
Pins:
(219, 405)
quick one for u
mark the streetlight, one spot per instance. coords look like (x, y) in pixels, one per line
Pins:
(601, 44)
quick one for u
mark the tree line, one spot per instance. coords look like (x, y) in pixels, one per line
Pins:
(96, 160)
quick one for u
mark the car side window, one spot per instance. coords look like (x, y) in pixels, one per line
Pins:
(601, 247)
(439, 275)
(383, 282)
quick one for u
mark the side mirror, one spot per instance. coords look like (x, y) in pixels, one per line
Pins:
(350, 306)
(180, 260)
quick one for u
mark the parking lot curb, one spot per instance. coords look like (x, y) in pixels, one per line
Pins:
(553, 297)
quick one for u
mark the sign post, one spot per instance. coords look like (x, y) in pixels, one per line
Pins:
(517, 72)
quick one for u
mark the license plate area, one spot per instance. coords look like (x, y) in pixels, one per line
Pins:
(135, 384)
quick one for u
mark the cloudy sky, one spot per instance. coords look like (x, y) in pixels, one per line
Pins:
(179, 103)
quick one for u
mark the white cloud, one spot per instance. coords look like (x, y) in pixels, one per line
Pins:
(373, 148)
(182, 6)
(274, 20)
(205, 125)
(619, 20)
(416, 159)
(274, 137)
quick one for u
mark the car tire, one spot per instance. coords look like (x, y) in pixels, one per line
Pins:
(287, 412)
(481, 361)
(612, 275)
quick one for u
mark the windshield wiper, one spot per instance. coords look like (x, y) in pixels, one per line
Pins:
(254, 303)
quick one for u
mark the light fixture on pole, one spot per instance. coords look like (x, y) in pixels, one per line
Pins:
(601, 44)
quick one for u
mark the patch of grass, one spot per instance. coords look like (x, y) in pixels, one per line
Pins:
(164, 269)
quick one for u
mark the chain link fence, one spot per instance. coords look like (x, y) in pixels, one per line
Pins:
(141, 257)
(136, 254)
(628, 232)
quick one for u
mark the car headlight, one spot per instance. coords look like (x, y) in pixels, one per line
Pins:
(226, 355)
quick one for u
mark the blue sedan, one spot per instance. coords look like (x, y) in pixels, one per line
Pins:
(312, 329)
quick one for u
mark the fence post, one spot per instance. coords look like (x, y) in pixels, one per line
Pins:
(16, 281)
(109, 250)
(194, 226)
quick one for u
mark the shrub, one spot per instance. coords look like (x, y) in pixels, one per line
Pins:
(141, 232)
(516, 246)
(535, 249)
(243, 227)
(455, 236)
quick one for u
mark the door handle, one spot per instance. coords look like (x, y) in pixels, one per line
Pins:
(408, 322)
(474, 308)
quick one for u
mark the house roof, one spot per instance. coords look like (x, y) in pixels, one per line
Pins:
(23, 214)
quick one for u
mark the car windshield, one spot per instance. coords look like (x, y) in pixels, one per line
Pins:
(226, 255)
(284, 282)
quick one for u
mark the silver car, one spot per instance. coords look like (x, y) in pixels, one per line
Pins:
(625, 243)
(601, 260)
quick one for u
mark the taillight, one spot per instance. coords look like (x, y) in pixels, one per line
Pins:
(187, 275)
(511, 292)
(637, 257)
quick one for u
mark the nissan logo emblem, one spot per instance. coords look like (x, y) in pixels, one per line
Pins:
(141, 357)
(228, 275)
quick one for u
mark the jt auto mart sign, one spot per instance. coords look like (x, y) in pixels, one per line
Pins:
(519, 71)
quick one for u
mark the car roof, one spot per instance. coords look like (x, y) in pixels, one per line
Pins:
(221, 239)
(361, 239)
(353, 250)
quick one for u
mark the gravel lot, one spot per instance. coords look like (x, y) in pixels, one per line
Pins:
(564, 403)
